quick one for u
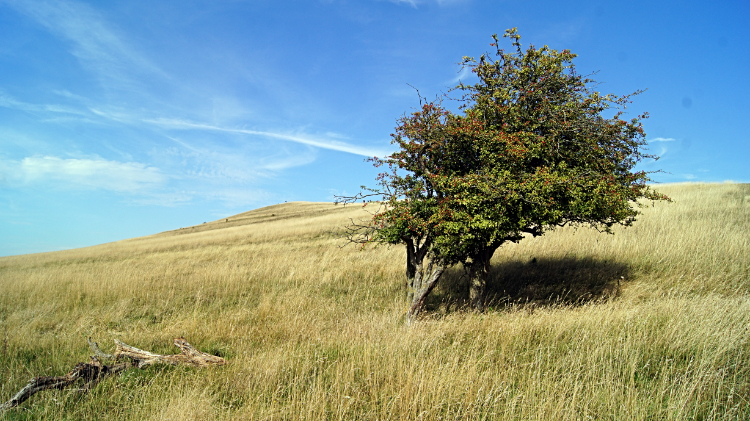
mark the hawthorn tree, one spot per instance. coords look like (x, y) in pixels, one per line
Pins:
(533, 150)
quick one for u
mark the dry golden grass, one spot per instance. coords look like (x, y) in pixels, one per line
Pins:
(315, 331)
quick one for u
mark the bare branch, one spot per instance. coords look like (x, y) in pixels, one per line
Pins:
(346, 200)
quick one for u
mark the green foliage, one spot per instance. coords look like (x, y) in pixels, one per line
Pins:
(532, 151)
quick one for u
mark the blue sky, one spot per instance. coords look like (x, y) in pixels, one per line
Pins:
(125, 118)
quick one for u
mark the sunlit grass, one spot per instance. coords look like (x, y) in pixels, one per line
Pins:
(650, 323)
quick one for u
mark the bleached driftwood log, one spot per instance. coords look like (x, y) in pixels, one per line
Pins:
(189, 355)
(93, 372)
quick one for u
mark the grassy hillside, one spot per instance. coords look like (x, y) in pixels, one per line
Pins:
(650, 323)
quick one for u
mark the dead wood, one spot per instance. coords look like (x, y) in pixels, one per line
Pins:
(189, 355)
(89, 374)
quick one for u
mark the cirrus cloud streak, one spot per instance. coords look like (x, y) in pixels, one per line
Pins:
(130, 177)
(291, 137)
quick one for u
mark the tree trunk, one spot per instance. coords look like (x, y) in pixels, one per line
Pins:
(479, 273)
(411, 269)
(420, 279)
(424, 282)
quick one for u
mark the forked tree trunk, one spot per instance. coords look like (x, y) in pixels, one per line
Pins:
(420, 279)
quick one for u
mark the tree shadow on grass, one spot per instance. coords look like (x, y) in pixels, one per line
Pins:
(538, 282)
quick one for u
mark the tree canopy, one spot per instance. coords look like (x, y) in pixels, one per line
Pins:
(532, 150)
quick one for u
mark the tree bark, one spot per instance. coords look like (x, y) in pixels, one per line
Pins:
(425, 282)
(411, 269)
(420, 279)
(479, 274)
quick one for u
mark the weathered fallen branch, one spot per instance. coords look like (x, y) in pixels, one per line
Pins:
(93, 372)
(90, 373)
(189, 355)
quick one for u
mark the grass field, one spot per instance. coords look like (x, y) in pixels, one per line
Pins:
(652, 323)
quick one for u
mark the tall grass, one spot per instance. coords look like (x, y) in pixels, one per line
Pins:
(650, 323)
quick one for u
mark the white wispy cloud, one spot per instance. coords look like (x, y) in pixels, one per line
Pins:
(61, 113)
(278, 164)
(166, 199)
(242, 198)
(662, 151)
(230, 197)
(213, 167)
(8, 101)
(86, 173)
(120, 117)
(94, 41)
(67, 94)
(463, 76)
(302, 138)
(662, 139)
